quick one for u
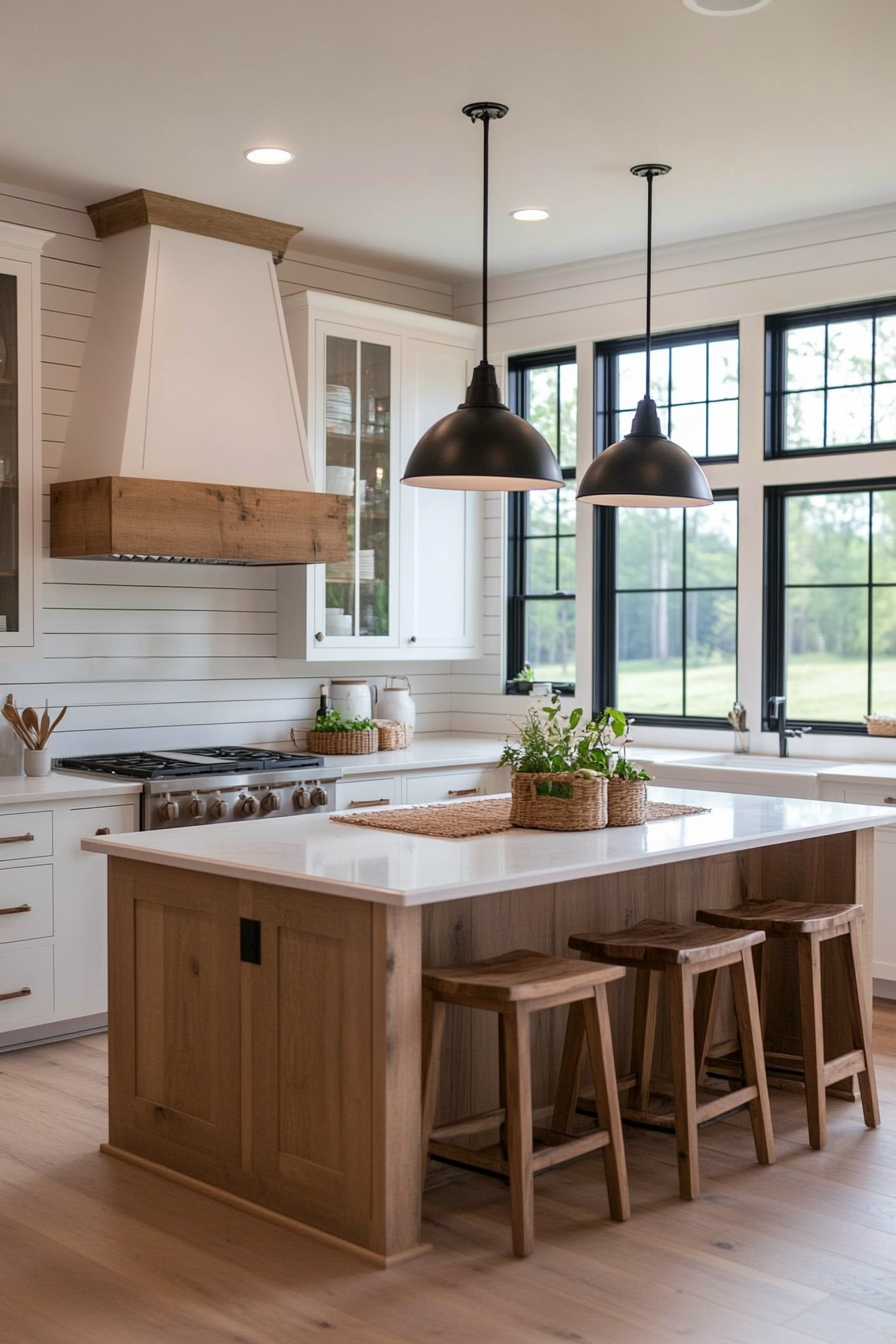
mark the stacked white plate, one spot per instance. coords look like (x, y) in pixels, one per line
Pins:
(339, 408)
(340, 480)
(338, 623)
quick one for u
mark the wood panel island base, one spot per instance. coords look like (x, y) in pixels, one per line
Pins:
(265, 997)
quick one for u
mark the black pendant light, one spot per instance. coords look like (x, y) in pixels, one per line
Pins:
(483, 445)
(645, 470)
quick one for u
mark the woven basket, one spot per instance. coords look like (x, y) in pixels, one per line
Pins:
(344, 744)
(879, 726)
(394, 736)
(586, 810)
(626, 802)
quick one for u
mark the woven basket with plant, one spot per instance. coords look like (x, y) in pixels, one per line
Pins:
(332, 735)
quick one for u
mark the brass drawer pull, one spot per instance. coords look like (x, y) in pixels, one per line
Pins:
(104, 830)
(373, 802)
(16, 994)
(16, 910)
(890, 800)
(461, 793)
(15, 839)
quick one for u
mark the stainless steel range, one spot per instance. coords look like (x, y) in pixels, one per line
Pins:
(202, 786)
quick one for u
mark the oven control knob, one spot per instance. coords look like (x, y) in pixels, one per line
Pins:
(270, 802)
(249, 806)
(319, 797)
(301, 799)
(218, 808)
(197, 806)
(169, 810)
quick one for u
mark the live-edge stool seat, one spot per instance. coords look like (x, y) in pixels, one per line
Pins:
(809, 926)
(679, 955)
(513, 986)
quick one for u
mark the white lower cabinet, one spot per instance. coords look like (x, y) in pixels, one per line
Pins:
(53, 918)
(376, 792)
(439, 788)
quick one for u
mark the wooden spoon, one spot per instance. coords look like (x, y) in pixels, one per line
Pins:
(29, 718)
(45, 725)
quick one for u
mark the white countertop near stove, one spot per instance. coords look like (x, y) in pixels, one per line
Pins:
(437, 751)
(57, 787)
(319, 854)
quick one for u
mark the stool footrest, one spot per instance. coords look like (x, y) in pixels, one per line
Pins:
(472, 1124)
(844, 1066)
(556, 1148)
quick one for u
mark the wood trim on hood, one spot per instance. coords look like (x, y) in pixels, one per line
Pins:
(136, 208)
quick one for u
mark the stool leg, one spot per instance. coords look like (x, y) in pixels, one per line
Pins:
(851, 952)
(518, 1066)
(647, 985)
(809, 951)
(684, 1078)
(704, 1017)
(760, 972)
(433, 1033)
(603, 1068)
(749, 1028)
(567, 1094)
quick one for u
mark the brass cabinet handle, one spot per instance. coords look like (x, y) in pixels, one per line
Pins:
(890, 800)
(16, 910)
(461, 793)
(15, 839)
(373, 802)
(16, 994)
(104, 830)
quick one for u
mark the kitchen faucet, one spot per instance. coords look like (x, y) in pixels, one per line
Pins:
(778, 711)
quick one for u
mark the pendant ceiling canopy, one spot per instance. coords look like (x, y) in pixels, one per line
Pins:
(483, 445)
(646, 470)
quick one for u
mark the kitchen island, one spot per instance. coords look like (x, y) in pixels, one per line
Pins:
(265, 981)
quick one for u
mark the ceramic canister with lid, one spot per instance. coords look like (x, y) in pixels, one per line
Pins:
(351, 697)
(395, 703)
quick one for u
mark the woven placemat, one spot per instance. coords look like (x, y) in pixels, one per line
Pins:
(476, 816)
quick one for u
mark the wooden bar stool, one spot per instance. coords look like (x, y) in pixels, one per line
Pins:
(810, 926)
(682, 956)
(514, 986)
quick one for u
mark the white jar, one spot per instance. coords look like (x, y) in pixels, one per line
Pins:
(395, 703)
(37, 763)
(351, 697)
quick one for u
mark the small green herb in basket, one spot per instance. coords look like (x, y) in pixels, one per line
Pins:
(333, 722)
(554, 743)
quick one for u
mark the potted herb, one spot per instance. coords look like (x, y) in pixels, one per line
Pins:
(626, 784)
(523, 680)
(556, 782)
(335, 736)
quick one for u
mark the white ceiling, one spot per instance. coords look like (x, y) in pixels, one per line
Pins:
(781, 114)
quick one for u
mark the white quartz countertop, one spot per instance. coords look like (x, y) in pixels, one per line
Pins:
(58, 788)
(319, 854)
(438, 752)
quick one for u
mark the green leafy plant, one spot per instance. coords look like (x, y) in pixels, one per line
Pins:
(551, 742)
(527, 674)
(333, 722)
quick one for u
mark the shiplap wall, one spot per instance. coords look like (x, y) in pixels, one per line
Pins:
(736, 277)
(156, 655)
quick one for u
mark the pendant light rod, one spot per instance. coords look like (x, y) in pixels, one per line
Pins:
(485, 112)
(650, 171)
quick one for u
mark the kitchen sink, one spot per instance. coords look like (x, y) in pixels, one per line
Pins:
(787, 764)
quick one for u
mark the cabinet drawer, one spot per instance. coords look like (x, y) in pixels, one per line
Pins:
(25, 835)
(882, 796)
(442, 788)
(28, 968)
(364, 792)
(26, 903)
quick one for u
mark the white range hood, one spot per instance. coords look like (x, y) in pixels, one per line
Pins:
(187, 378)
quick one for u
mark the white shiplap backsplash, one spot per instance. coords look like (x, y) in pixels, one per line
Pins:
(160, 656)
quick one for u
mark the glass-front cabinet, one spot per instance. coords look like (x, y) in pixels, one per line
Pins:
(359, 598)
(20, 250)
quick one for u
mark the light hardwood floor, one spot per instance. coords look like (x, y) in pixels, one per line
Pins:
(94, 1251)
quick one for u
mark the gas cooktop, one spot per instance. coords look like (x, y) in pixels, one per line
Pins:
(189, 762)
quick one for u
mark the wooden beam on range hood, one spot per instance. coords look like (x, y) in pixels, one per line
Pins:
(137, 208)
(115, 516)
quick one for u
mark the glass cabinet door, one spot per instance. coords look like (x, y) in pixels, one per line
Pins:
(9, 456)
(358, 463)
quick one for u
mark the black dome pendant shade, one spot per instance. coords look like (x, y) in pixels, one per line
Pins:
(646, 470)
(483, 445)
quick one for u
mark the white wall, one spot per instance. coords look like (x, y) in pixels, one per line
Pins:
(158, 655)
(736, 277)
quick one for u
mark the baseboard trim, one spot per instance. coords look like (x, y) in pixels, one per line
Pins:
(269, 1215)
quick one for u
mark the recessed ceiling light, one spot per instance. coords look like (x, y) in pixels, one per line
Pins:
(723, 9)
(529, 216)
(268, 154)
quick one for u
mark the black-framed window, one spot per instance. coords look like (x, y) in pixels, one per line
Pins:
(543, 388)
(831, 602)
(694, 380)
(831, 379)
(666, 628)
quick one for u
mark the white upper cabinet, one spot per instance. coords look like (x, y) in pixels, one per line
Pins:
(20, 422)
(371, 379)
